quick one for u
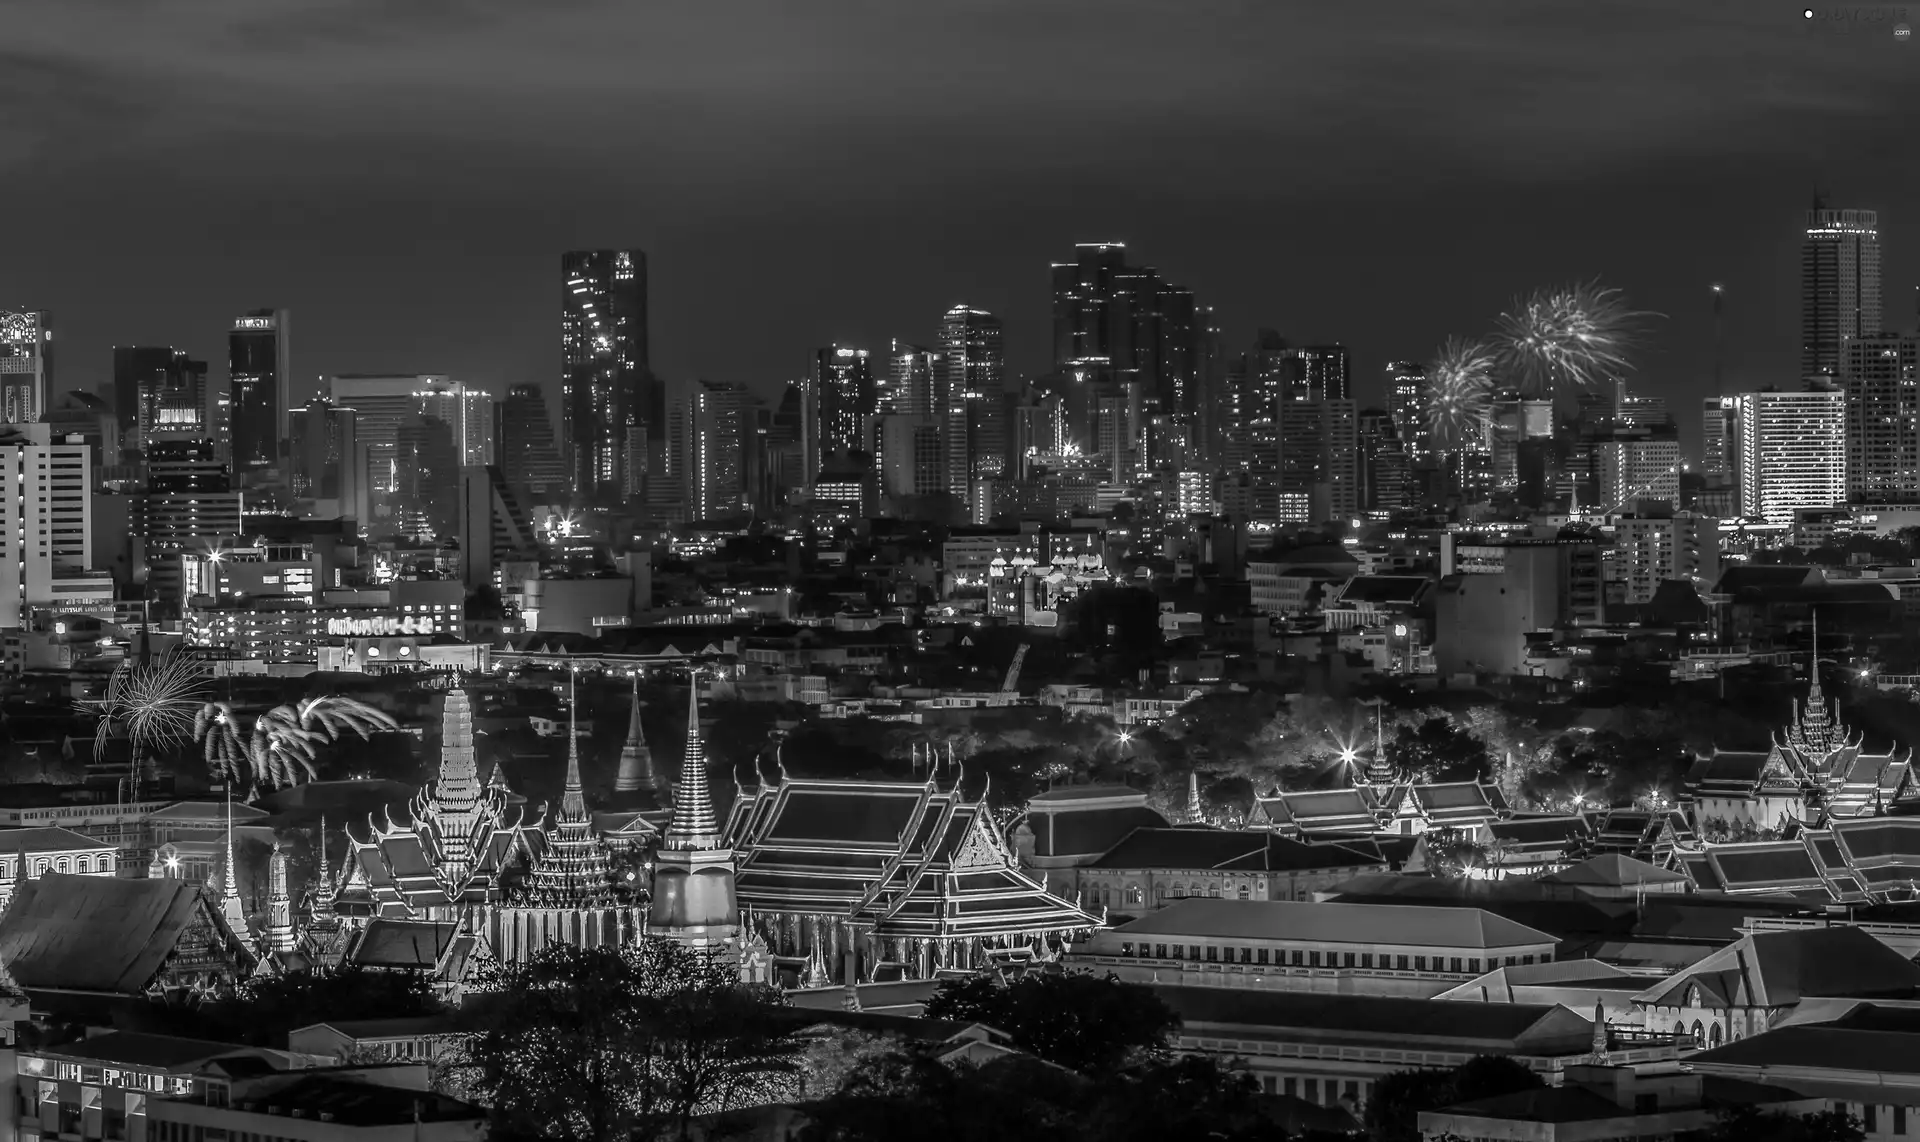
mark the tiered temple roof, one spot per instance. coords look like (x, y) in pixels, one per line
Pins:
(457, 840)
(898, 859)
(1855, 860)
(577, 868)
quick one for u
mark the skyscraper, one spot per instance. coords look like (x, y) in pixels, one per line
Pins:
(909, 390)
(719, 426)
(260, 378)
(843, 397)
(26, 366)
(321, 457)
(1839, 286)
(1122, 329)
(46, 524)
(612, 409)
(975, 380)
(1793, 453)
(158, 390)
(1408, 391)
(524, 441)
(382, 402)
(1321, 372)
(1880, 375)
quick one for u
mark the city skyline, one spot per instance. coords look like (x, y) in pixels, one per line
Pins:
(1554, 180)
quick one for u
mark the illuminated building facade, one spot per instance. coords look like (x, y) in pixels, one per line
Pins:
(26, 368)
(720, 423)
(1839, 287)
(909, 389)
(612, 409)
(1880, 375)
(324, 460)
(1793, 453)
(46, 524)
(293, 628)
(843, 396)
(1408, 390)
(1125, 338)
(158, 390)
(973, 361)
(259, 371)
(383, 403)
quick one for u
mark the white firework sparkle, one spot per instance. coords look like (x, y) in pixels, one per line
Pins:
(151, 702)
(1461, 391)
(1574, 337)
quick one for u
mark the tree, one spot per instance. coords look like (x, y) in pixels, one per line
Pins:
(602, 1043)
(1750, 1124)
(1393, 1113)
(1438, 750)
(266, 1008)
(1088, 1023)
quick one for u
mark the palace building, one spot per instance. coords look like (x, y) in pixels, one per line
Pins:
(462, 855)
(1816, 770)
(886, 879)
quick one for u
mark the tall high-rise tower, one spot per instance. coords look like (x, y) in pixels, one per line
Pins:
(1839, 287)
(1122, 332)
(26, 367)
(842, 397)
(1407, 391)
(612, 409)
(1880, 375)
(523, 437)
(260, 378)
(973, 362)
(1793, 453)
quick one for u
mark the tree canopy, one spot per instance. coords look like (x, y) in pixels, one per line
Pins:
(1088, 1023)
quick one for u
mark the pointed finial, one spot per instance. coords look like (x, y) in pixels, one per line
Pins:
(1193, 797)
(693, 825)
(573, 802)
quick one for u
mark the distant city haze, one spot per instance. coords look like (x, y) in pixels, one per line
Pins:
(403, 178)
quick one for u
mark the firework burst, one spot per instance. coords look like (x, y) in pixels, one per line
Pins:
(1570, 338)
(151, 702)
(1461, 389)
(334, 716)
(280, 747)
(217, 727)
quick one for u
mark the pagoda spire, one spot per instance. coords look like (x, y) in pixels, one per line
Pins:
(573, 802)
(1194, 815)
(324, 893)
(235, 915)
(636, 760)
(694, 825)
(279, 933)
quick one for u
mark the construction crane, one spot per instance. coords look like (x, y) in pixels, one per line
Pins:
(1012, 684)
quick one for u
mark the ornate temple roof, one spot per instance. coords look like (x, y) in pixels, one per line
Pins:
(910, 859)
(576, 870)
(455, 839)
(635, 776)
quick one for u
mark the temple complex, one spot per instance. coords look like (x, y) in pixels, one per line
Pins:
(463, 856)
(1815, 771)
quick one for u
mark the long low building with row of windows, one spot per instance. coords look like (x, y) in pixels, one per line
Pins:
(1284, 945)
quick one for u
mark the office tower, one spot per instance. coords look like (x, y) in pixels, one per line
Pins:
(1257, 384)
(46, 524)
(26, 365)
(524, 440)
(322, 446)
(719, 421)
(260, 379)
(1315, 470)
(494, 526)
(426, 494)
(1384, 471)
(188, 505)
(1637, 462)
(913, 459)
(1122, 327)
(468, 413)
(1880, 375)
(1793, 453)
(1657, 545)
(1839, 286)
(843, 397)
(138, 369)
(83, 416)
(1320, 372)
(975, 365)
(167, 391)
(1408, 391)
(608, 396)
(909, 388)
(1720, 437)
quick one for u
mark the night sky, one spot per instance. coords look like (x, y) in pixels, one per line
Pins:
(403, 174)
